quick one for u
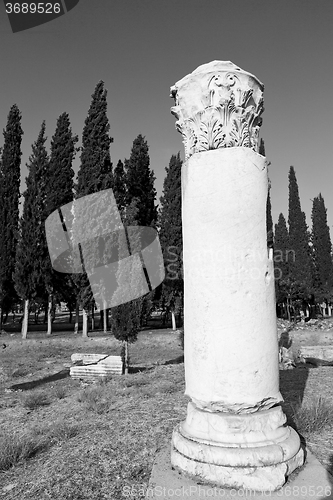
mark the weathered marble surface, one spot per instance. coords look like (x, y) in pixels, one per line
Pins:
(235, 433)
(218, 105)
(95, 366)
(231, 350)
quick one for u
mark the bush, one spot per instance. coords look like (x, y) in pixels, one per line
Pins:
(135, 380)
(167, 387)
(91, 394)
(15, 449)
(58, 431)
(61, 430)
(94, 399)
(105, 379)
(35, 400)
(19, 372)
(314, 416)
(60, 392)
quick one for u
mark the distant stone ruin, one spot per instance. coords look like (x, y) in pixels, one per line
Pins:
(95, 366)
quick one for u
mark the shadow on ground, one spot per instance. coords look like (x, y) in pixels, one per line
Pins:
(27, 386)
(139, 369)
(175, 361)
(292, 387)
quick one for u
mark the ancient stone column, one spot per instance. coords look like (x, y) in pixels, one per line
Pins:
(235, 433)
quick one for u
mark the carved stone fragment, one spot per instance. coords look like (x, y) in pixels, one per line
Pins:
(218, 106)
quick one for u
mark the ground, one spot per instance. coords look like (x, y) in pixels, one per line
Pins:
(93, 441)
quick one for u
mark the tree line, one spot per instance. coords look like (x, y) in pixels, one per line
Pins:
(303, 262)
(302, 258)
(26, 273)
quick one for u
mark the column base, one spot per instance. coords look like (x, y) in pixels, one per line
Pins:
(252, 451)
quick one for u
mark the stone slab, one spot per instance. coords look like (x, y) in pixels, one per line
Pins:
(322, 352)
(87, 358)
(95, 366)
(312, 482)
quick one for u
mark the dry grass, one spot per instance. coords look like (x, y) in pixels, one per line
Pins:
(58, 431)
(95, 398)
(60, 392)
(103, 437)
(301, 388)
(15, 449)
(19, 372)
(35, 399)
(314, 416)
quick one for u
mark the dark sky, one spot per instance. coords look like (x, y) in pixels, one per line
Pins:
(142, 47)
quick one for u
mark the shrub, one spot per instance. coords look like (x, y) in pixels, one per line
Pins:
(15, 449)
(57, 431)
(61, 430)
(167, 387)
(19, 372)
(35, 400)
(313, 416)
(94, 399)
(60, 392)
(135, 380)
(148, 391)
(91, 394)
(104, 380)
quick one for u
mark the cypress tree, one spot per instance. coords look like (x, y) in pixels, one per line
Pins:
(281, 259)
(281, 247)
(140, 182)
(30, 256)
(322, 250)
(125, 318)
(95, 171)
(141, 195)
(170, 235)
(119, 191)
(9, 207)
(269, 220)
(59, 191)
(119, 185)
(95, 174)
(262, 148)
(61, 174)
(300, 265)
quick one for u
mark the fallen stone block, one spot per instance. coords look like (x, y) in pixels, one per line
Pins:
(314, 362)
(321, 352)
(104, 367)
(87, 359)
(286, 359)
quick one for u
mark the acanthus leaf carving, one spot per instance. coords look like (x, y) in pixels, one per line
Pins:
(225, 114)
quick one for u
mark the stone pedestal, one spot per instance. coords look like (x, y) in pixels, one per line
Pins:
(235, 433)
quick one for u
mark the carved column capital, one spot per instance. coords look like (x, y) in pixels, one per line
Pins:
(218, 105)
